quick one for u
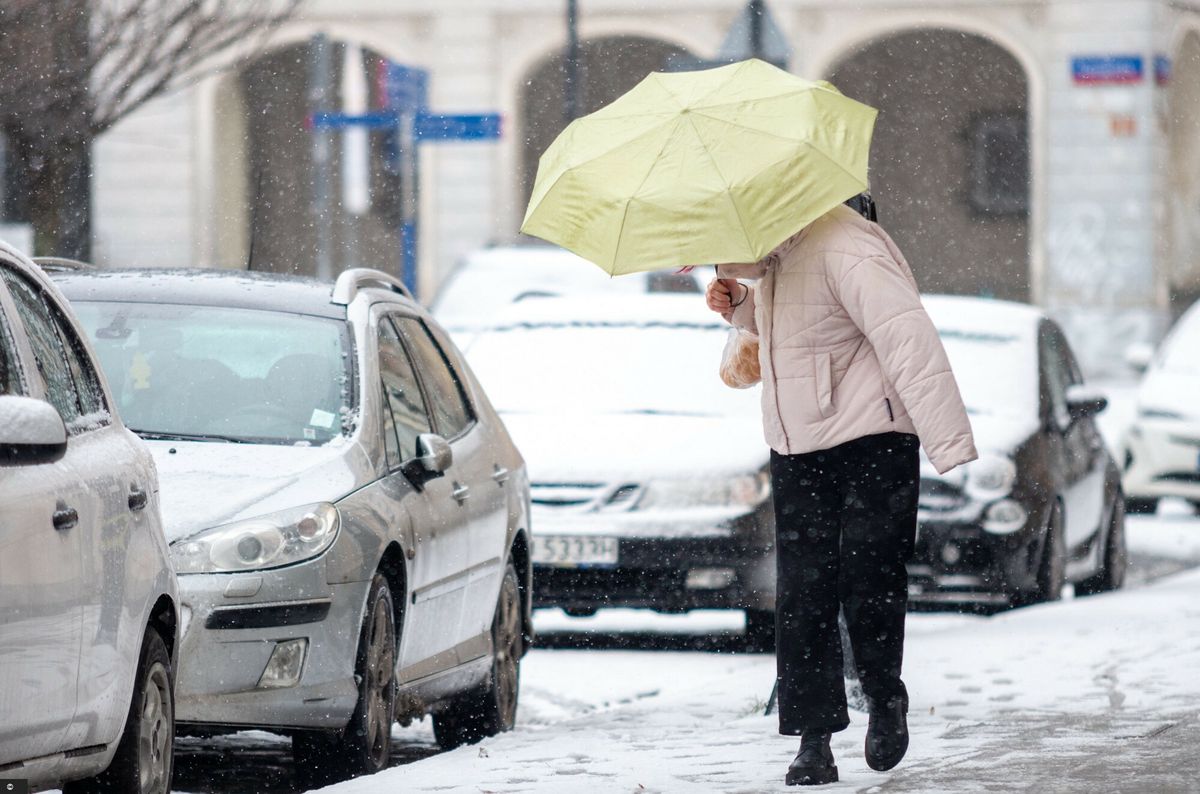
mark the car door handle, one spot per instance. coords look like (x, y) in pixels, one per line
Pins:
(500, 475)
(65, 517)
(137, 499)
(461, 493)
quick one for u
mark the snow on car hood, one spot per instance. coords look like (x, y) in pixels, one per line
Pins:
(206, 484)
(636, 447)
(994, 435)
(1166, 390)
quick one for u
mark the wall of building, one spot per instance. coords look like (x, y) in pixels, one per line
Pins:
(1096, 242)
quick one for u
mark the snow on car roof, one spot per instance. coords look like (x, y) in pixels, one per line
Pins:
(961, 312)
(632, 310)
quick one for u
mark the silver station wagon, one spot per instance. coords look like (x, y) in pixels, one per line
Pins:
(347, 515)
(89, 611)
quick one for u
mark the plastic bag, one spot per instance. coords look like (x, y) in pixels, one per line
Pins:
(739, 362)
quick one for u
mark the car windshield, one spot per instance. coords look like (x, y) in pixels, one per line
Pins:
(478, 291)
(212, 373)
(585, 368)
(1180, 352)
(996, 372)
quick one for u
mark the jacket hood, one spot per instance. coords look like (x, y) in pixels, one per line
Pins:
(204, 485)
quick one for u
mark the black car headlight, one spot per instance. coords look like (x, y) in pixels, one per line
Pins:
(270, 541)
(1005, 517)
(990, 477)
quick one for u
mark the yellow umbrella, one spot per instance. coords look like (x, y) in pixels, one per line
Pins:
(688, 168)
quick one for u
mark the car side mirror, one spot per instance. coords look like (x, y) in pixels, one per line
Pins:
(1139, 355)
(434, 456)
(31, 431)
(434, 453)
(1084, 401)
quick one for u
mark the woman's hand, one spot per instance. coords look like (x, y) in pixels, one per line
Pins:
(720, 295)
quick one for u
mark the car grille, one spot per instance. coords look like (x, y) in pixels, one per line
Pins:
(939, 496)
(1180, 476)
(584, 497)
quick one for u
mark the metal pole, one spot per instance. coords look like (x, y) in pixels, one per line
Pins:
(571, 66)
(320, 76)
(756, 28)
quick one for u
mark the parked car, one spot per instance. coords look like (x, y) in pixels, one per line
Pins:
(1162, 446)
(347, 515)
(488, 281)
(649, 476)
(1042, 506)
(89, 612)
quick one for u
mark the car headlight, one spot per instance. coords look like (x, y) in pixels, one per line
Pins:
(744, 490)
(269, 541)
(991, 477)
(1005, 517)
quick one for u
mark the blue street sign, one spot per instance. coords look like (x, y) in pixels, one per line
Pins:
(1108, 70)
(380, 120)
(466, 127)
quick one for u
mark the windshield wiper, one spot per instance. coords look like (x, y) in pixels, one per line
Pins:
(152, 435)
(662, 412)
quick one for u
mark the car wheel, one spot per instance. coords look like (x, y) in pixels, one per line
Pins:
(364, 746)
(492, 708)
(1111, 575)
(144, 761)
(1051, 570)
(760, 630)
(1140, 505)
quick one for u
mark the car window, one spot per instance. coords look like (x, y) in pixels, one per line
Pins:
(48, 347)
(451, 410)
(1056, 368)
(408, 417)
(10, 380)
(265, 377)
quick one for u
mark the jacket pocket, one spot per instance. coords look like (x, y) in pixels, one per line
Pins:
(823, 378)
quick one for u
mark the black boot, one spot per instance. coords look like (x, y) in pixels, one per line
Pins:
(887, 734)
(813, 765)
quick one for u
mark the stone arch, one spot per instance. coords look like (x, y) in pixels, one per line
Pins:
(1182, 177)
(952, 159)
(263, 169)
(609, 66)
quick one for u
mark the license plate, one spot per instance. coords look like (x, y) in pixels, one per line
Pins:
(574, 550)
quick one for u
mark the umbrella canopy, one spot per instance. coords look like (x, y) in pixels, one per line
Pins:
(687, 168)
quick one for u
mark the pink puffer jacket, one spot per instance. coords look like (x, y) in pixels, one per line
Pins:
(846, 348)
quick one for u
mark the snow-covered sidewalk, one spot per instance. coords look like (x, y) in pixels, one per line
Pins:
(1099, 694)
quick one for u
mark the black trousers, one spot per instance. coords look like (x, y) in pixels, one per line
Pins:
(845, 524)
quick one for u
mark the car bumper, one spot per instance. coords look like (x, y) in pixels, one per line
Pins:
(960, 563)
(1162, 458)
(235, 623)
(729, 568)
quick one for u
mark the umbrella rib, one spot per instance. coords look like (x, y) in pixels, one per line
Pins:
(728, 187)
(633, 195)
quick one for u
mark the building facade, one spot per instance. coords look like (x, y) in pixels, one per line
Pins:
(1040, 150)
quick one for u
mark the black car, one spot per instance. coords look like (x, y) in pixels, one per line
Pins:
(1042, 507)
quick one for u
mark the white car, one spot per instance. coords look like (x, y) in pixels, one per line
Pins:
(1162, 446)
(648, 474)
(488, 281)
(89, 614)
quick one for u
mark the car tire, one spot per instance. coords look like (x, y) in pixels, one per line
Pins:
(1111, 575)
(144, 761)
(1051, 570)
(363, 747)
(491, 708)
(760, 630)
(1141, 505)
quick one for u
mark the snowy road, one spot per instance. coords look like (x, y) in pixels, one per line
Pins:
(1087, 695)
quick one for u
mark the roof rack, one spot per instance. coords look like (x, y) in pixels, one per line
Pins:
(351, 281)
(60, 264)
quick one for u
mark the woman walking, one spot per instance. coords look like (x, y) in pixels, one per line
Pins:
(853, 374)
